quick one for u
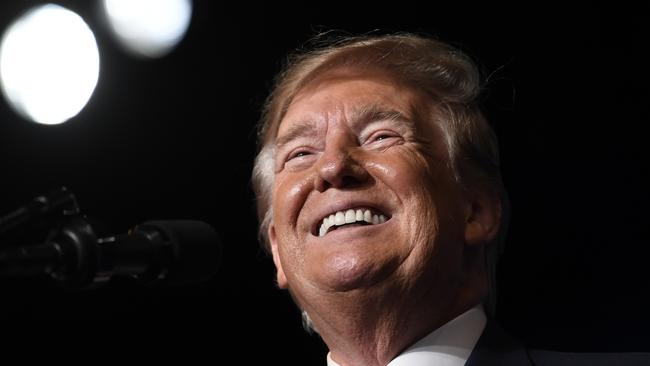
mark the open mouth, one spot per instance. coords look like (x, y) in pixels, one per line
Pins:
(350, 217)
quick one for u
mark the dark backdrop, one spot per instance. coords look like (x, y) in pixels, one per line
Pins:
(174, 138)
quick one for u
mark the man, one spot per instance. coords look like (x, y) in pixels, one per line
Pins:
(381, 201)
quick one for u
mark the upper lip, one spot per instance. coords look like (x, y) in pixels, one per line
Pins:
(342, 205)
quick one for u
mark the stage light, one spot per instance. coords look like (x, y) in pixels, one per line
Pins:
(49, 64)
(149, 28)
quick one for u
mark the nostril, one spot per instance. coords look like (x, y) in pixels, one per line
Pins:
(351, 181)
(340, 170)
(345, 181)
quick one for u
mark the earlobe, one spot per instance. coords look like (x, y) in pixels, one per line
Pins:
(483, 218)
(281, 278)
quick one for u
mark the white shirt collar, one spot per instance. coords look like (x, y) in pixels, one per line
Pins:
(449, 345)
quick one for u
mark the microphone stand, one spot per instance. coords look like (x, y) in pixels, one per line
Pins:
(73, 257)
(60, 202)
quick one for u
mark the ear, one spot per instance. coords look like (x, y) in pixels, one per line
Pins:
(281, 278)
(482, 217)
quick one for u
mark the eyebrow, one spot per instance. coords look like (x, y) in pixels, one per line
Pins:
(374, 112)
(300, 129)
(360, 117)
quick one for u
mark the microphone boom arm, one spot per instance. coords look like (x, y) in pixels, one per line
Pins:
(175, 252)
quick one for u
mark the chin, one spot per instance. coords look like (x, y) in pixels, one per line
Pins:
(347, 272)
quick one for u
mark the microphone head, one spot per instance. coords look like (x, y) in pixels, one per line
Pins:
(195, 249)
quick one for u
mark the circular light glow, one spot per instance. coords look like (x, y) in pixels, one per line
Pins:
(49, 64)
(150, 28)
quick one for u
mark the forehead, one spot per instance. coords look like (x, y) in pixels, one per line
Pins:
(343, 92)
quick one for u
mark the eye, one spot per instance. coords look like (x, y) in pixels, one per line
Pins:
(381, 136)
(298, 154)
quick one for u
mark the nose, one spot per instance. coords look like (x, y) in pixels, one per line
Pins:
(337, 168)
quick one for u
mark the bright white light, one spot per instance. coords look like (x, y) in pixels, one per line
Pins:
(49, 64)
(148, 28)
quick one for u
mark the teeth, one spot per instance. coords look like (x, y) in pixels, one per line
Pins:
(339, 219)
(367, 216)
(349, 217)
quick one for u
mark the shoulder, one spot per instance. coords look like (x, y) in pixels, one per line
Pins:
(496, 347)
(547, 358)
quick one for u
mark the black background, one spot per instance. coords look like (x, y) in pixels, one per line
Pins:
(174, 138)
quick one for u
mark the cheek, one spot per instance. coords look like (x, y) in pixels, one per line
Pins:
(425, 189)
(407, 173)
(289, 194)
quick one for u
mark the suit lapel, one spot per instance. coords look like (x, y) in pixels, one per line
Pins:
(496, 347)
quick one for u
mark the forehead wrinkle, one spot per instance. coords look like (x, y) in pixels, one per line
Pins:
(308, 127)
(360, 116)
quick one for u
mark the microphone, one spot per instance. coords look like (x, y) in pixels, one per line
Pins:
(170, 252)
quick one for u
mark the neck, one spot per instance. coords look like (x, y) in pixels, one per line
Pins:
(358, 336)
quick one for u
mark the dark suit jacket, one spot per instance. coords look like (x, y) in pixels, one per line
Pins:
(497, 348)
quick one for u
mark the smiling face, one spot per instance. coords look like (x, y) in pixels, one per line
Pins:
(364, 200)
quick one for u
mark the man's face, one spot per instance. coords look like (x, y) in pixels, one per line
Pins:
(363, 197)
